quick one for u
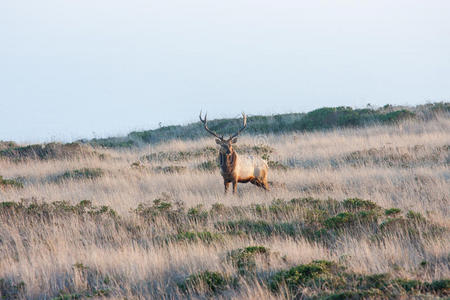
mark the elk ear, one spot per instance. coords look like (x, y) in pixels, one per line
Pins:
(234, 141)
(218, 142)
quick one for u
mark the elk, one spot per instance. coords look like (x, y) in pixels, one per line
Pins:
(236, 168)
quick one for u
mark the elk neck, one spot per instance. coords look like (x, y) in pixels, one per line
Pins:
(228, 162)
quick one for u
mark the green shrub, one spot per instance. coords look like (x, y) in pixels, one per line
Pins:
(195, 236)
(441, 286)
(348, 219)
(416, 216)
(409, 285)
(300, 275)
(392, 211)
(10, 183)
(377, 281)
(396, 116)
(244, 258)
(11, 290)
(197, 214)
(84, 173)
(208, 282)
(340, 220)
(162, 207)
(359, 204)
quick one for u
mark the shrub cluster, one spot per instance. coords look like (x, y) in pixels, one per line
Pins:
(321, 221)
(319, 279)
(328, 280)
(55, 209)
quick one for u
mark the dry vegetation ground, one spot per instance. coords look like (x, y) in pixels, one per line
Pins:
(137, 247)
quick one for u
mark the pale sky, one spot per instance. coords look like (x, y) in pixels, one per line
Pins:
(84, 68)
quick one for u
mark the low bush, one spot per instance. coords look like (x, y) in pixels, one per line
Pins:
(349, 219)
(164, 207)
(10, 183)
(197, 214)
(300, 275)
(197, 236)
(392, 212)
(359, 204)
(11, 290)
(206, 282)
(244, 259)
(79, 174)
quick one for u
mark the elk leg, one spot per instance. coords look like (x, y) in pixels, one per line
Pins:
(226, 184)
(266, 186)
(234, 187)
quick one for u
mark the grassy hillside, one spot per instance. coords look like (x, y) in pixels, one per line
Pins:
(323, 118)
(356, 212)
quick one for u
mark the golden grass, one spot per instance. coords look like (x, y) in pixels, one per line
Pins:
(43, 254)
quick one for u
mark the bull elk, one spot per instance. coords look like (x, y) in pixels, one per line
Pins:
(236, 168)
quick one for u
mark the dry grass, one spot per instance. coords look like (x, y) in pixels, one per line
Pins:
(404, 166)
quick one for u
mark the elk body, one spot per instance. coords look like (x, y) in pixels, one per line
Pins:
(236, 168)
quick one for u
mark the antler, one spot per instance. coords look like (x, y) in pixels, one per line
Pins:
(204, 121)
(240, 129)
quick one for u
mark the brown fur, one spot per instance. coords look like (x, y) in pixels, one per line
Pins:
(235, 169)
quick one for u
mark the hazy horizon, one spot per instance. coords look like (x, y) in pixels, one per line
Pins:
(83, 69)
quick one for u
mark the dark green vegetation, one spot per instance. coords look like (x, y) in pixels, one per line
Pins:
(165, 222)
(84, 173)
(323, 118)
(244, 259)
(349, 285)
(10, 183)
(10, 290)
(206, 282)
(31, 208)
(319, 279)
(43, 151)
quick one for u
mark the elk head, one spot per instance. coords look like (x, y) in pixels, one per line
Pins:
(226, 147)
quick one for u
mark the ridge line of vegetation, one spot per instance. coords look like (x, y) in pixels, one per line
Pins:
(325, 118)
(319, 119)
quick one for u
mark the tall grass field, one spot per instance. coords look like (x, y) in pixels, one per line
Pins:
(358, 209)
